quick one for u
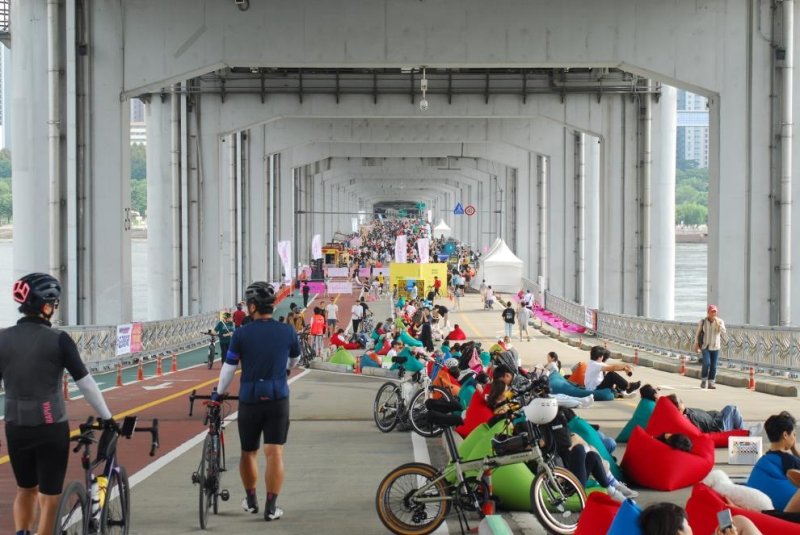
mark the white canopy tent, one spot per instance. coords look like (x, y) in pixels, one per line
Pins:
(442, 230)
(502, 269)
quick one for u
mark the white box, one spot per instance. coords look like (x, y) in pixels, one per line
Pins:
(744, 450)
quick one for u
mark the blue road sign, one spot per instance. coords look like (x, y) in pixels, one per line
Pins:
(459, 210)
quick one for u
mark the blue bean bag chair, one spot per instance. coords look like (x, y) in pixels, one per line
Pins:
(367, 362)
(626, 521)
(641, 416)
(559, 385)
(768, 477)
(583, 429)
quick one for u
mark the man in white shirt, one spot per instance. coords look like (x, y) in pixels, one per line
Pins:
(527, 299)
(600, 374)
(489, 298)
(358, 315)
(331, 311)
(388, 360)
(414, 291)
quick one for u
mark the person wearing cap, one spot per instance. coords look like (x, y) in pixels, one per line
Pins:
(224, 330)
(239, 315)
(707, 340)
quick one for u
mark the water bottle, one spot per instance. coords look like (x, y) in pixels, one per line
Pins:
(102, 486)
(95, 494)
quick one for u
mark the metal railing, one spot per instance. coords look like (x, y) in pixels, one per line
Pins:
(98, 344)
(5, 21)
(774, 350)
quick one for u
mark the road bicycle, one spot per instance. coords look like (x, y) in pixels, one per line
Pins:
(415, 498)
(307, 351)
(208, 475)
(101, 504)
(403, 402)
(212, 347)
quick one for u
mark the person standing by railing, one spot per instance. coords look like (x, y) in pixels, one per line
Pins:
(708, 340)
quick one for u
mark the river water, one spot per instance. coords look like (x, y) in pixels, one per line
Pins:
(690, 281)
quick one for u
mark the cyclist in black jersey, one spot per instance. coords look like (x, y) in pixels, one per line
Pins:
(33, 357)
(267, 351)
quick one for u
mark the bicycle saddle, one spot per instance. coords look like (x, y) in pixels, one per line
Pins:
(444, 420)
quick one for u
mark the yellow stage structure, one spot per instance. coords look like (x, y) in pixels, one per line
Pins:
(421, 274)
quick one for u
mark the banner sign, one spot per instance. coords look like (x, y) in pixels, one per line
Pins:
(339, 272)
(377, 271)
(316, 247)
(400, 252)
(285, 254)
(129, 338)
(364, 272)
(424, 250)
(590, 318)
(340, 287)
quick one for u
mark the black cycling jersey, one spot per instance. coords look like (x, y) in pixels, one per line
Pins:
(33, 357)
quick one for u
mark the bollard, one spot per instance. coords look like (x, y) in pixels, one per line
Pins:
(683, 365)
(488, 507)
(140, 371)
(751, 385)
(174, 363)
(159, 369)
(580, 340)
(119, 374)
(635, 357)
(559, 332)
(605, 344)
(357, 366)
(66, 387)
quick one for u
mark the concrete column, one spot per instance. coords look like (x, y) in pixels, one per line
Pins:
(580, 216)
(107, 265)
(160, 276)
(531, 198)
(662, 223)
(256, 206)
(592, 222)
(286, 207)
(543, 179)
(30, 162)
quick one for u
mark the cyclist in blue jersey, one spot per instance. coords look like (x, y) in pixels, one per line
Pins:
(267, 350)
(33, 357)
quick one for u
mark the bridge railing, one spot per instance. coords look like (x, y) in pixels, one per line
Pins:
(774, 350)
(98, 344)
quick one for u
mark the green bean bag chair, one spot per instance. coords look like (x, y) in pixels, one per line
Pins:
(343, 356)
(409, 340)
(641, 416)
(559, 385)
(581, 427)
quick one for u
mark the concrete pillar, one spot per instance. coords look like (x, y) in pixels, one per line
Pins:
(30, 162)
(662, 224)
(286, 206)
(543, 175)
(592, 222)
(531, 198)
(580, 219)
(255, 200)
(160, 276)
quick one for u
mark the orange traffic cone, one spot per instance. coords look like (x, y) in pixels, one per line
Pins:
(752, 384)
(635, 357)
(605, 344)
(488, 507)
(119, 375)
(140, 372)
(683, 365)
(159, 369)
(174, 363)
(580, 340)
(357, 366)
(66, 387)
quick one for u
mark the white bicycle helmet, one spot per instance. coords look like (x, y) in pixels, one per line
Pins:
(541, 410)
(451, 363)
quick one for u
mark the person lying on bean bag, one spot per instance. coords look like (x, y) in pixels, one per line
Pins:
(339, 340)
(718, 425)
(456, 333)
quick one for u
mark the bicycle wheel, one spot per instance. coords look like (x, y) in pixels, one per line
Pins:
(214, 472)
(417, 412)
(386, 408)
(115, 516)
(403, 514)
(558, 500)
(211, 355)
(202, 479)
(72, 507)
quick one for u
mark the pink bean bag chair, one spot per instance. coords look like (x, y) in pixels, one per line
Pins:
(705, 503)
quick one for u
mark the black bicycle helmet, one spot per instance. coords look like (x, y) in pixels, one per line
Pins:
(506, 358)
(261, 294)
(35, 290)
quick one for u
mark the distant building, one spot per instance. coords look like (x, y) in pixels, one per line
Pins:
(138, 128)
(693, 131)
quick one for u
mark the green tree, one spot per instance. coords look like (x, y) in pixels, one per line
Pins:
(691, 214)
(6, 211)
(138, 161)
(5, 163)
(139, 196)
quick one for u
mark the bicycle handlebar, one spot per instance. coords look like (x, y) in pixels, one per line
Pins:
(91, 425)
(194, 395)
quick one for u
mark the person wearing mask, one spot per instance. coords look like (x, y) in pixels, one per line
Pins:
(33, 357)
(708, 340)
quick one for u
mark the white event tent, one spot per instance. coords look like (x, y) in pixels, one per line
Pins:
(442, 230)
(501, 269)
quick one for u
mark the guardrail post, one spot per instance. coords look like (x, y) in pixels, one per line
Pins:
(159, 369)
(140, 371)
(119, 374)
(174, 363)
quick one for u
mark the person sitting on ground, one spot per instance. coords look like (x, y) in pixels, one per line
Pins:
(500, 389)
(456, 333)
(339, 340)
(710, 421)
(677, 441)
(600, 374)
(552, 364)
(670, 519)
(388, 360)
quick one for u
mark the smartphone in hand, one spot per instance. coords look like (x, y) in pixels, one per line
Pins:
(725, 519)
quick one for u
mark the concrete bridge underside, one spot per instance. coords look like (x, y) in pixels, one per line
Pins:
(263, 124)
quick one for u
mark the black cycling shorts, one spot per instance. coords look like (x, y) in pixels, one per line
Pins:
(39, 455)
(267, 418)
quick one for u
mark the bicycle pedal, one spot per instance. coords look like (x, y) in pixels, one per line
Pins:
(224, 495)
(195, 478)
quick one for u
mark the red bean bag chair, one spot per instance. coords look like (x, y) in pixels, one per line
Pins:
(385, 348)
(456, 334)
(338, 342)
(705, 503)
(653, 464)
(598, 514)
(478, 412)
(666, 418)
(720, 438)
